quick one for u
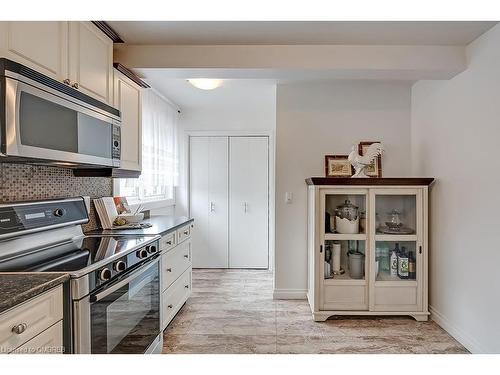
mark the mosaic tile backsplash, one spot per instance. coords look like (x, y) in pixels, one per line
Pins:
(21, 182)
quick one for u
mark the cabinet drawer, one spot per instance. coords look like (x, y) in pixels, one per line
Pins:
(49, 341)
(36, 315)
(175, 262)
(175, 296)
(344, 297)
(183, 233)
(167, 242)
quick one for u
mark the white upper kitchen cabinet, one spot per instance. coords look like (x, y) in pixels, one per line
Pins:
(91, 61)
(127, 98)
(42, 46)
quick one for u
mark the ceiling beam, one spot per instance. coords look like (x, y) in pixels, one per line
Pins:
(400, 62)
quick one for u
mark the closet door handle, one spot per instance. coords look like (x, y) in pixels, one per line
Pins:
(212, 206)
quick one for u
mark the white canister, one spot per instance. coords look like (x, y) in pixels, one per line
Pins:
(336, 257)
(346, 226)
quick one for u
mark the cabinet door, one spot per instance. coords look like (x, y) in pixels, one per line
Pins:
(40, 45)
(344, 270)
(127, 98)
(208, 201)
(397, 259)
(49, 341)
(91, 60)
(248, 202)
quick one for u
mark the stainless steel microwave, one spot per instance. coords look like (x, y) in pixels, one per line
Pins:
(43, 121)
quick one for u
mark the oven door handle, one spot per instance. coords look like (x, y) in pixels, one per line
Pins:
(119, 283)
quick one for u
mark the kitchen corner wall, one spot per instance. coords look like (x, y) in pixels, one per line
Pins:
(21, 182)
(455, 138)
(316, 119)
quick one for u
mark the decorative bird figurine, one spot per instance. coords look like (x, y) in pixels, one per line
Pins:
(361, 162)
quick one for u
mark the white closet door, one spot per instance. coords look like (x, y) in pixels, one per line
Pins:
(209, 201)
(248, 202)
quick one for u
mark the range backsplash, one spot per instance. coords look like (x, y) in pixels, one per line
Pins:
(21, 182)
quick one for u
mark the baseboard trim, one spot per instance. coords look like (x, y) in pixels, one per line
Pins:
(290, 294)
(463, 338)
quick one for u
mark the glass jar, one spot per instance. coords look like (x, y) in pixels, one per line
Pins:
(347, 211)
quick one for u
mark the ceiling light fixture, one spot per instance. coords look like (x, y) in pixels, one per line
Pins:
(205, 83)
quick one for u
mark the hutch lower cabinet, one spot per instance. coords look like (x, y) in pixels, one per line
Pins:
(367, 246)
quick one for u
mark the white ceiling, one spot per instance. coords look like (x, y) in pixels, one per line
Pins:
(234, 93)
(293, 32)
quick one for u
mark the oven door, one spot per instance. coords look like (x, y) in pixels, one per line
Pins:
(45, 125)
(122, 318)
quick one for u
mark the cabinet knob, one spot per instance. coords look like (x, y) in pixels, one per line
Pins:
(170, 306)
(169, 269)
(19, 328)
(186, 286)
(67, 81)
(169, 242)
(75, 85)
(186, 232)
(186, 256)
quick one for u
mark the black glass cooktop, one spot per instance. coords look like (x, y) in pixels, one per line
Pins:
(72, 255)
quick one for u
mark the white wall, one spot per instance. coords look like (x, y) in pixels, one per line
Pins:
(315, 119)
(455, 138)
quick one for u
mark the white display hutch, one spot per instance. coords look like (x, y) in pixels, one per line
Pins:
(377, 292)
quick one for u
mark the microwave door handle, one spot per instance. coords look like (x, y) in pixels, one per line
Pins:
(118, 284)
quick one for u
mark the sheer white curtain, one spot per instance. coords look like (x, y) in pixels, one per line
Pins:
(159, 151)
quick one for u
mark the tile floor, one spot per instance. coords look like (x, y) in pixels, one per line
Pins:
(232, 311)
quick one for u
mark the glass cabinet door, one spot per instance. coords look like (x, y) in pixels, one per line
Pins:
(396, 259)
(345, 256)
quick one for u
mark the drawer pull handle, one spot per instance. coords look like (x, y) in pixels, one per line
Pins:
(19, 328)
(169, 269)
(170, 306)
(186, 286)
(186, 256)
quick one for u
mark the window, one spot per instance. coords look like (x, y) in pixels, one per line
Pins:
(159, 153)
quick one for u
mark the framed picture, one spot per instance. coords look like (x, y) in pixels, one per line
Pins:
(338, 166)
(375, 169)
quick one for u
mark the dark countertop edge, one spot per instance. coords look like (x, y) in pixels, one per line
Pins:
(382, 181)
(9, 303)
(139, 232)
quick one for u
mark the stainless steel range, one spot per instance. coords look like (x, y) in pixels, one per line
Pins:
(112, 301)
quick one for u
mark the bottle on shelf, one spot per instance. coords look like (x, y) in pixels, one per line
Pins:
(403, 264)
(397, 249)
(394, 263)
(412, 266)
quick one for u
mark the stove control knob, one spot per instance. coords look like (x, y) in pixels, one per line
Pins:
(104, 274)
(142, 253)
(58, 212)
(152, 249)
(119, 266)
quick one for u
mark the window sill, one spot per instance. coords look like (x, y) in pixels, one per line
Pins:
(151, 204)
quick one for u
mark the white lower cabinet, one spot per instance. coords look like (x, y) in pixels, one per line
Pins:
(34, 326)
(49, 341)
(176, 272)
(174, 297)
(367, 247)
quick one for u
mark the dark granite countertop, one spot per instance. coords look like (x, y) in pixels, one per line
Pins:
(18, 287)
(162, 224)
